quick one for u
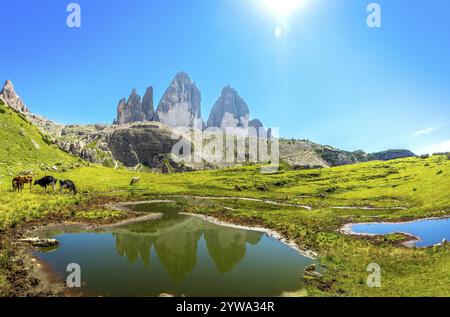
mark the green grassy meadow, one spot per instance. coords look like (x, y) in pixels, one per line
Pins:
(421, 186)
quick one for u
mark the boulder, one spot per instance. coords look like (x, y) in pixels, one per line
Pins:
(40, 242)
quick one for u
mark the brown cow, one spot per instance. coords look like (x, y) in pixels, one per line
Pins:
(18, 183)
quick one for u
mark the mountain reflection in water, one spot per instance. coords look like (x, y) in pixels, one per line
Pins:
(177, 254)
(175, 239)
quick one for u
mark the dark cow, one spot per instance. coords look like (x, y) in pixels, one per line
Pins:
(17, 184)
(68, 185)
(47, 181)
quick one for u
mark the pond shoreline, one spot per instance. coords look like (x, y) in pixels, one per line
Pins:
(51, 284)
(271, 233)
(413, 239)
(23, 257)
(122, 206)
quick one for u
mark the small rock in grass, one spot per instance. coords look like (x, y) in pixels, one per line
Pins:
(310, 268)
(313, 274)
(40, 242)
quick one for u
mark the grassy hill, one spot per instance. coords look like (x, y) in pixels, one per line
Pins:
(25, 148)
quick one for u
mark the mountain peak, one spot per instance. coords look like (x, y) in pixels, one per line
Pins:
(10, 97)
(228, 89)
(180, 105)
(135, 110)
(8, 83)
(230, 110)
(182, 75)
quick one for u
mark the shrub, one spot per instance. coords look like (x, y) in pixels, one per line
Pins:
(5, 257)
(47, 140)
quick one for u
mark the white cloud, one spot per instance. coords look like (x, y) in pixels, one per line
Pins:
(435, 148)
(425, 131)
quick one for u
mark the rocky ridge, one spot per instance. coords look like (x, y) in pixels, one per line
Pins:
(148, 144)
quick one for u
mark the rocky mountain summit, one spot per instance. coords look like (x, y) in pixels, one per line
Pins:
(180, 105)
(134, 110)
(9, 97)
(230, 110)
(139, 141)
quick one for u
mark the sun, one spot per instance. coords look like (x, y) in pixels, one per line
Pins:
(282, 8)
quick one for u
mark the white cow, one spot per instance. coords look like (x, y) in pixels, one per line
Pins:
(135, 180)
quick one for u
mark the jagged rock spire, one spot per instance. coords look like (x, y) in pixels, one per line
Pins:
(180, 105)
(9, 96)
(133, 110)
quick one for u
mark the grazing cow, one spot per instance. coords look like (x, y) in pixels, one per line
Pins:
(27, 180)
(47, 181)
(68, 185)
(18, 183)
(135, 180)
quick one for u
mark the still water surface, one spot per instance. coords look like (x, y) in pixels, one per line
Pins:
(429, 231)
(178, 255)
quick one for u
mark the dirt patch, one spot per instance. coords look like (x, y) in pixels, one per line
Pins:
(23, 277)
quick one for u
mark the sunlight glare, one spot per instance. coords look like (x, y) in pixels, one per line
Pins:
(282, 8)
(278, 31)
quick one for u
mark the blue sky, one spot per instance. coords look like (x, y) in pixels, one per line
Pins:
(328, 77)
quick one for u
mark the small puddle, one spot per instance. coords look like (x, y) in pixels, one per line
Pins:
(179, 255)
(428, 231)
